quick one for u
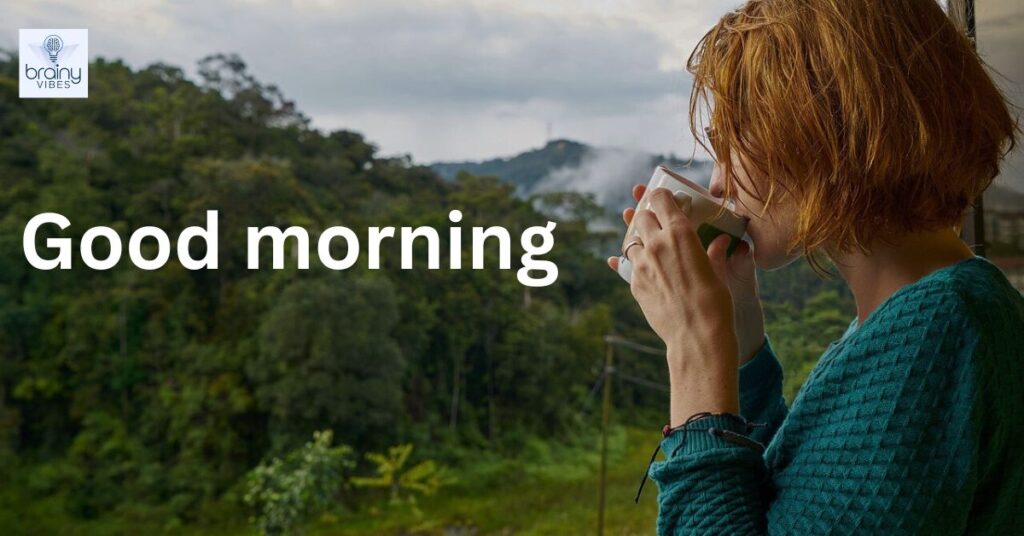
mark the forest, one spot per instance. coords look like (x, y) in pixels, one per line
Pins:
(239, 400)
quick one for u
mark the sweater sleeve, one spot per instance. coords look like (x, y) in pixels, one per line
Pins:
(761, 393)
(879, 441)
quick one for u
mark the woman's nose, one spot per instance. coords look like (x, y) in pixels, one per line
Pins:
(715, 186)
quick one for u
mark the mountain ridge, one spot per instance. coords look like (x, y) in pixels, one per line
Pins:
(576, 166)
(563, 164)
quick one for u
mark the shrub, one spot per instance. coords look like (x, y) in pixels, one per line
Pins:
(286, 493)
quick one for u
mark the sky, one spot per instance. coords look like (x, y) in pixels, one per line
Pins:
(437, 79)
(455, 79)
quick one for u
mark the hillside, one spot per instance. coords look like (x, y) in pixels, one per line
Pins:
(524, 170)
(152, 393)
(571, 165)
(156, 397)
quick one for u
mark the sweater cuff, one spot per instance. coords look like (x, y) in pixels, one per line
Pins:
(696, 438)
(760, 373)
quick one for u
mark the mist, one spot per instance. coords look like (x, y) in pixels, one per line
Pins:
(610, 173)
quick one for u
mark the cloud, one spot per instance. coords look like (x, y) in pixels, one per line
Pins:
(439, 79)
(605, 172)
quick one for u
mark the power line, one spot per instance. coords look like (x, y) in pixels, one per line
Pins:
(590, 396)
(624, 342)
(644, 383)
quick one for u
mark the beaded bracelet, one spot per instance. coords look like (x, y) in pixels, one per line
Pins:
(727, 435)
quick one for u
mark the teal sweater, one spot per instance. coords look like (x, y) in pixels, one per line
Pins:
(911, 423)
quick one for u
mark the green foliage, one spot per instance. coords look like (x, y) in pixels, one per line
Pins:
(403, 483)
(103, 458)
(141, 394)
(168, 386)
(566, 462)
(800, 335)
(327, 358)
(286, 493)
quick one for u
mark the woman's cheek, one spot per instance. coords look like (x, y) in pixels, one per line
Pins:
(754, 232)
(766, 249)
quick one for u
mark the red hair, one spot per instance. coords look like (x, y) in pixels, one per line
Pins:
(876, 116)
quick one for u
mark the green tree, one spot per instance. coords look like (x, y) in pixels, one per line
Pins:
(286, 492)
(326, 358)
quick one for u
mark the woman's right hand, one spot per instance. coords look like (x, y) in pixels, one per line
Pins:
(742, 282)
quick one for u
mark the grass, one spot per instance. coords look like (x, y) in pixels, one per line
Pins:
(555, 493)
(541, 502)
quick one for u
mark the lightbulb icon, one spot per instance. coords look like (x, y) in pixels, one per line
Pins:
(53, 44)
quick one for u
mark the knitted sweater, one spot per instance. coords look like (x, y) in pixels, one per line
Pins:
(910, 423)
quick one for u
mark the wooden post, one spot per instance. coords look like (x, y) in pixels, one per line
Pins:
(978, 213)
(606, 410)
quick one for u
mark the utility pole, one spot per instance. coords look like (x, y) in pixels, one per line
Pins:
(979, 204)
(610, 341)
(973, 229)
(606, 410)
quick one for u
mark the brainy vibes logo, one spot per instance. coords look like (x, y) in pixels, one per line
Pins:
(53, 64)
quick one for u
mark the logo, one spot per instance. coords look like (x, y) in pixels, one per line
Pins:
(53, 64)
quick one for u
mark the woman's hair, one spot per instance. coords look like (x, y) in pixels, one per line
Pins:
(876, 115)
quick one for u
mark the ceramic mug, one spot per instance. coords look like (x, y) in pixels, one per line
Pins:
(698, 204)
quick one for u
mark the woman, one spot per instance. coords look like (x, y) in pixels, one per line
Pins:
(861, 130)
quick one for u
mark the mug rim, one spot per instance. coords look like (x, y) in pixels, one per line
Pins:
(697, 188)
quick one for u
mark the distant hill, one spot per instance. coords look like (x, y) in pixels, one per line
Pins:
(524, 170)
(609, 173)
(562, 164)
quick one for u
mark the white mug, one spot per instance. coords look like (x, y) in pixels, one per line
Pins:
(698, 204)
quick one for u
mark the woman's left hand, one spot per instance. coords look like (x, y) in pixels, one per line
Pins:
(682, 293)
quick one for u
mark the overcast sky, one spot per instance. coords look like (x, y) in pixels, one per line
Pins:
(438, 79)
(448, 79)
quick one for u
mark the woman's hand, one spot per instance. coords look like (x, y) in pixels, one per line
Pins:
(683, 294)
(740, 277)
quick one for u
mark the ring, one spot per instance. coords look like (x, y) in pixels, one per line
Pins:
(634, 242)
